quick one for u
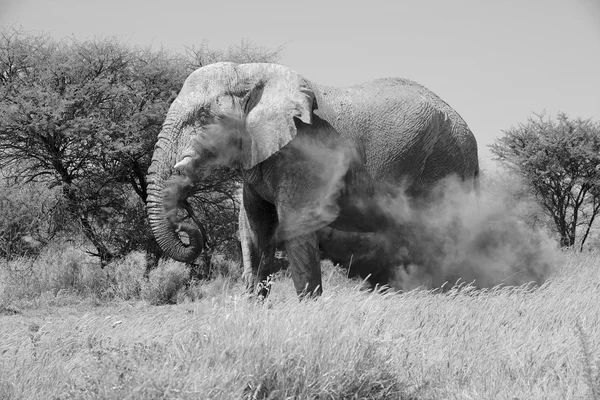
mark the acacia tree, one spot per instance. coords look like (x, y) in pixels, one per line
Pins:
(559, 159)
(85, 116)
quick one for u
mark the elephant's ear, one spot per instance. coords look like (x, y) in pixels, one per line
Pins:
(270, 107)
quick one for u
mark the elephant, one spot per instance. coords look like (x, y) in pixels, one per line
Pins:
(312, 158)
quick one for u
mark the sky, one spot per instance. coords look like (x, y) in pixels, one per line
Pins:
(495, 61)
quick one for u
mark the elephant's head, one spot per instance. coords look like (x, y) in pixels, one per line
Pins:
(225, 114)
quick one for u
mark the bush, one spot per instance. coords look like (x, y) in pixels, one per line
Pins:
(61, 271)
(53, 272)
(31, 216)
(127, 276)
(165, 282)
(223, 266)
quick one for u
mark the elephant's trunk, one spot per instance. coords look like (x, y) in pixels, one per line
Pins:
(165, 195)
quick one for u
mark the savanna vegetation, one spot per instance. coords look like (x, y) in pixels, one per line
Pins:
(78, 124)
(89, 308)
(75, 341)
(559, 163)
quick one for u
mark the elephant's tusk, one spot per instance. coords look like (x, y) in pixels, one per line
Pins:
(181, 165)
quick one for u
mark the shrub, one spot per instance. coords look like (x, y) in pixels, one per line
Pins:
(165, 282)
(54, 271)
(223, 266)
(126, 276)
(31, 216)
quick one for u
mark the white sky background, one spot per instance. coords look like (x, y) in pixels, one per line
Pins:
(494, 61)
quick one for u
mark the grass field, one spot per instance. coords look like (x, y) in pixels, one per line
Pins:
(465, 344)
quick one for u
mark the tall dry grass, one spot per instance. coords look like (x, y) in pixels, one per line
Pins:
(70, 276)
(465, 344)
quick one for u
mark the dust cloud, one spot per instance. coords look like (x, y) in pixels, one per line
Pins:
(176, 190)
(460, 236)
(217, 144)
(455, 236)
(319, 164)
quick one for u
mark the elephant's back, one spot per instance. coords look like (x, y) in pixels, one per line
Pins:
(396, 125)
(385, 106)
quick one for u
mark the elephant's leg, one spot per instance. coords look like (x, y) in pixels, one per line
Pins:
(305, 264)
(266, 266)
(258, 221)
(256, 272)
(249, 246)
(259, 263)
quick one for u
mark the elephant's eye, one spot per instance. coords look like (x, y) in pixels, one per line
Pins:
(196, 117)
